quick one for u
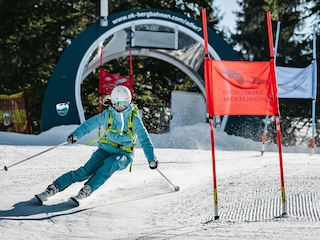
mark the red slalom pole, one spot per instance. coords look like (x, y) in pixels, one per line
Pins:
(283, 193)
(209, 100)
(215, 189)
(100, 95)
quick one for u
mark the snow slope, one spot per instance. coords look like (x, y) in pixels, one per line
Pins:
(142, 205)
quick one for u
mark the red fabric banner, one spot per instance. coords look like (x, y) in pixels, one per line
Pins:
(108, 81)
(241, 88)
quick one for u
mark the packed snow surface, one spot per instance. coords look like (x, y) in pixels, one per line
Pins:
(142, 204)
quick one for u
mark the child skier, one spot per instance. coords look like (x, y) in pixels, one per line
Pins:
(115, 150)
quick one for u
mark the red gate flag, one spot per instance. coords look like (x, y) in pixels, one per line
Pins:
(108, 81)
(241, 88)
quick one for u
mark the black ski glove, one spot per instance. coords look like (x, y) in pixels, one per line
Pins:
(153, 164)
(71, 139)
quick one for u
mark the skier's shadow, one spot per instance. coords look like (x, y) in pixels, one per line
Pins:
(28, 210)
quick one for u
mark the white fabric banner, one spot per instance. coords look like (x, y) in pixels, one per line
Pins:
(297, 82)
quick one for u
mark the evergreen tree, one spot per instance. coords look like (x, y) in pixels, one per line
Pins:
(34, 34)
(294, 48)
(32, 38)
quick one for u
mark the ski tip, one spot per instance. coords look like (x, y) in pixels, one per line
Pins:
(75, 202)
(39, 201)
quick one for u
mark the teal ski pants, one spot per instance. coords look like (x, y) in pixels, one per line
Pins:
(97, 170)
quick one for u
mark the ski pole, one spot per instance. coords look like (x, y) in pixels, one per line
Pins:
(176, 188)
(47, 150)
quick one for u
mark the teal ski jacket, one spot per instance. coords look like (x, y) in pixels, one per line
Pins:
(119, 133)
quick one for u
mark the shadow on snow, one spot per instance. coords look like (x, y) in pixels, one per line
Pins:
(31, 208)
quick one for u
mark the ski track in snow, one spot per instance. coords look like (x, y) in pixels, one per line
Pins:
(142, 205)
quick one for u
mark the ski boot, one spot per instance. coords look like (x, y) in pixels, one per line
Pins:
(83, 193)
(49, 192)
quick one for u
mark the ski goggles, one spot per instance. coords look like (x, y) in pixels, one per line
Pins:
(123, 104)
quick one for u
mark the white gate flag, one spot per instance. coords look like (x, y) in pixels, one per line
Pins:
(297, 82)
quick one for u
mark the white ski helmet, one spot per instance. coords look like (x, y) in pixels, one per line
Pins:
(121, 96)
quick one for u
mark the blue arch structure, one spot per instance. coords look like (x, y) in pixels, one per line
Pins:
(61, 105)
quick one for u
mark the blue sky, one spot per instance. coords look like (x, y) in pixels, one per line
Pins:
(229, 19)
(227, 7)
